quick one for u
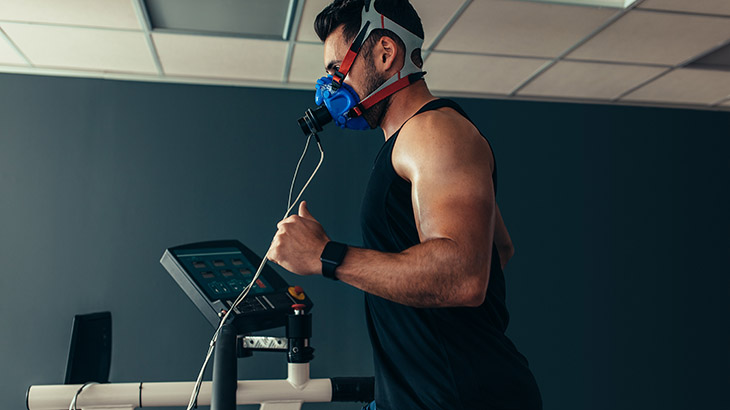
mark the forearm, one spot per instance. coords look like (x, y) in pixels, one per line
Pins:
(435, 273)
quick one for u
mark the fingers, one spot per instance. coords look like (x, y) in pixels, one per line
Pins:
(303, 211)
(273, 251)
(284, 222)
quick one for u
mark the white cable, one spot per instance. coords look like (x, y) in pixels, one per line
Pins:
(72, 406)
(296, 170)
(244, 293)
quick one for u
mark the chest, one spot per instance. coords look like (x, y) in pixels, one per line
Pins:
(387, 219)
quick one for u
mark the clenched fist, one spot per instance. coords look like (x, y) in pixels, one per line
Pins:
(298, 243)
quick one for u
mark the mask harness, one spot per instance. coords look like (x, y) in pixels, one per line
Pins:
(338, 102)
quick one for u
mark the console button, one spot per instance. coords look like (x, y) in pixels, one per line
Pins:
(297, 292)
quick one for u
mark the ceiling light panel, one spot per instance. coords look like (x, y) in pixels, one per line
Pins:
(307, 64)
(268, 19)
(655, 38)
(719, 7)
(8, 54)
(221, 57)
(588, 80)
(448, 72)
(692, 86)
(522, 28)
(82, 48)
(92, 13)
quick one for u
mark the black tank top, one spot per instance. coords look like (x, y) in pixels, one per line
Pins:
(436, 358)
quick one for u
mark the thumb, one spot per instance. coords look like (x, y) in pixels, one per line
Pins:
(304, 212)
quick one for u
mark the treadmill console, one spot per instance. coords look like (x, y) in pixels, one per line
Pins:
(214, 273)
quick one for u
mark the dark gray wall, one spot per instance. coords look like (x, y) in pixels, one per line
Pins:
(619, 289)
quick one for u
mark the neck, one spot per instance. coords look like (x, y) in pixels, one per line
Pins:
(403, 105)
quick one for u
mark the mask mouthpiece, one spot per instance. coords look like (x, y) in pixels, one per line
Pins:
(313, 120)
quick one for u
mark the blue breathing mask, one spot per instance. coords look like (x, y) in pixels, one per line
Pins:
(339, 102)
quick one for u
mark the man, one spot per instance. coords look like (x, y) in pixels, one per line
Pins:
(435, 242)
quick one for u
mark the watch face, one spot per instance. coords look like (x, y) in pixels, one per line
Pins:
(334, 252)
(332, 256)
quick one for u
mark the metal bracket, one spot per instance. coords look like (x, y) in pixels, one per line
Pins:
(264, 343)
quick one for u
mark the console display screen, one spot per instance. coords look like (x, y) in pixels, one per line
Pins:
(221, 273)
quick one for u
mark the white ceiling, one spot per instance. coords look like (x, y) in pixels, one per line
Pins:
(508, 49)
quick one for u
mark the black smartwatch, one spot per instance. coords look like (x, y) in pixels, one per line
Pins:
(332, 256)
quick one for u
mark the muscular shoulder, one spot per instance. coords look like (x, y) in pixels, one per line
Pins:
(440, 140)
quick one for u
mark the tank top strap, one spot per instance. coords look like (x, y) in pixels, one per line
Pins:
(435, 105)
(429, 106)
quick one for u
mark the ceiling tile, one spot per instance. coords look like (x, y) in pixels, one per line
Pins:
(720, 7)
(617, 4)
(94, 13)
(477, 74)
(307, 64)
(221, 57)
(522, 28)
(434, 16)
(82, 48)
(655, 38)
(309, 13)
(692, 86)
(8, 55)
(589, 80)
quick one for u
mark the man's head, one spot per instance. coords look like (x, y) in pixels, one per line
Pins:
(381, 55)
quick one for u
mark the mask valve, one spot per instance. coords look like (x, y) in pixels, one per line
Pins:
(314, 119)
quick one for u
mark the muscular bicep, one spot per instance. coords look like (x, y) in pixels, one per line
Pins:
(449, 165)
(453, 202)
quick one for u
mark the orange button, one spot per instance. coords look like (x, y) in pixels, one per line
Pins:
(297, 293)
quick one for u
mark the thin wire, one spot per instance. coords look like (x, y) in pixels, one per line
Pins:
(296, 170)
(196, 390)
(72, 406)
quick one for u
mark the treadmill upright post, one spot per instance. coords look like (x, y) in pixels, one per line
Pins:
(225, 370)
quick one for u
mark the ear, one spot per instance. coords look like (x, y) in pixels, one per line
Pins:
(388, 53)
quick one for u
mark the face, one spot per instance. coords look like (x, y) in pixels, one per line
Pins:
(363, 76)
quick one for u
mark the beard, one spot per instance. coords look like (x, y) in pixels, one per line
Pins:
(374, 115)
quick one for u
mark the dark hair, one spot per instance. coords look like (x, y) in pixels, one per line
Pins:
(348, 13)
